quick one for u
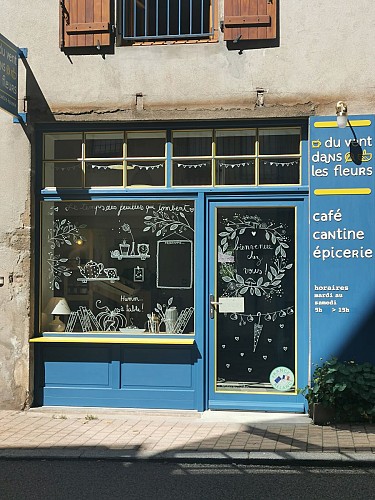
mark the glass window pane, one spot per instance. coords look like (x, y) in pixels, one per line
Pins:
(279, 171)
(104, 174)
(146, 173)
(62, 174)
(192, 173)
(195, 143)
(121, 266)
(146, 144)
(235, 172)
(279, 141)
(235, 142)
(62, 146)
(255, 263)
(103, 145)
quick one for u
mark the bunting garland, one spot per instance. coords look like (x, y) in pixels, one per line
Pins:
(282, 163)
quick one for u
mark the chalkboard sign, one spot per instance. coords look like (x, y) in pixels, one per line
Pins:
(174, 264)
(255, 261)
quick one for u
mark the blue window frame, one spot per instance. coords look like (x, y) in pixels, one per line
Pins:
(144, 20)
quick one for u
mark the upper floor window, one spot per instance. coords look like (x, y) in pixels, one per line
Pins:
(148, 20)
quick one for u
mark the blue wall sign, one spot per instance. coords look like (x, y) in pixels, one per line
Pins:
(342, 239)
(8, 76)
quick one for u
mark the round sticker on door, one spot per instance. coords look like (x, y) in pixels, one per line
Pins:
(282, 378)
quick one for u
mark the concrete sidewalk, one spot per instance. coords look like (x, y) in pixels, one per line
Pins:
(251, 437)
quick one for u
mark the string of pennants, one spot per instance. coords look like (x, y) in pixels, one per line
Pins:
(183, 165)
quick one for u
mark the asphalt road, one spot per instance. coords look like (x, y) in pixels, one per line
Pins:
(78, 479)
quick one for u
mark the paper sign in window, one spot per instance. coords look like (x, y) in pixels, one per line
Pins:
(231, 304)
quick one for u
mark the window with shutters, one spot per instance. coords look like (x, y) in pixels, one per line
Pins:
(162, 20)
(250, 20)
(85, 23)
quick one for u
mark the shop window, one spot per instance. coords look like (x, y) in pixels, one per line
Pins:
(235, 157)
(250, 20)
(135, 159)
(117, 267)
(280, 152)
(62, 160)
(187, 171)
(140, 169)
(148, 20)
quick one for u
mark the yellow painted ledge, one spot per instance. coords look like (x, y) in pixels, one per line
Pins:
(329, 192)
(111, 340)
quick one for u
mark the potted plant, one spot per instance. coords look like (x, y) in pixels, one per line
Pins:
(341, 391)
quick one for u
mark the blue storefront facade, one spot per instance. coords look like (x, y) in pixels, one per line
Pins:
(200, 265)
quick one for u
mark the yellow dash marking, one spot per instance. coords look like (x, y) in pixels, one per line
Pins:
(325, 192)
(355, 123)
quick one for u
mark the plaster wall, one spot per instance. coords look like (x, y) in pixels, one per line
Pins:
(324, 53)
(15, 257)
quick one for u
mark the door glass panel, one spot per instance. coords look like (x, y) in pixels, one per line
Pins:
(256, 290)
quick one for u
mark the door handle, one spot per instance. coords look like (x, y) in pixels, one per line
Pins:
(213, 305)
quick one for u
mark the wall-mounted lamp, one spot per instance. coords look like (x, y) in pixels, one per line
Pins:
(342, 117)
(342, 121)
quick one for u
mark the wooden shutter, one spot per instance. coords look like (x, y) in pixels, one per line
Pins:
(250, 19)
(85, 23)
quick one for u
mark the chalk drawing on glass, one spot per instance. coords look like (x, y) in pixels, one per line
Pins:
(95, 271)
(163, 222)
(273, 272)
(63, 232)
(129, 249)
(138, 274)
(173, 321)
(244, 319)
(57, 269)
(107, 320)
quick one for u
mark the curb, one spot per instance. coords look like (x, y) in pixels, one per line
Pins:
(319, 459)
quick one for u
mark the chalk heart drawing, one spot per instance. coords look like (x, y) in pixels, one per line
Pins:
(265, 357)
(269, 340)
(249, 370)
(242, 354)
(281, 325)
(236, 339)
(223, 346)
(228, 365)
(285, 348)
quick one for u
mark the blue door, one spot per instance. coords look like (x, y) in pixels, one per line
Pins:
(258, 296)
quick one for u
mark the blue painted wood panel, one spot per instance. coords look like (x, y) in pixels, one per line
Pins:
(78, 366)
(156, 367)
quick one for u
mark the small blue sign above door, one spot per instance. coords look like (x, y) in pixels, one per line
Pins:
(8, 76)
(342, 239)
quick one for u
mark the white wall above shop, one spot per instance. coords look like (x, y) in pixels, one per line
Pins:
(324, 53)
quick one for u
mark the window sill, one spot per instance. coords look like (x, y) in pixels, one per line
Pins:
(114, 338)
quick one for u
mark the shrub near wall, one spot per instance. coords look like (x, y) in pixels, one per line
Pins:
(344, 387)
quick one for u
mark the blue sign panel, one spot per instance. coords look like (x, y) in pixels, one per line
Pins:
(8, 76)
(342, 239)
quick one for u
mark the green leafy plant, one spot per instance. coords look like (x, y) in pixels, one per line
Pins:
(346, 387)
